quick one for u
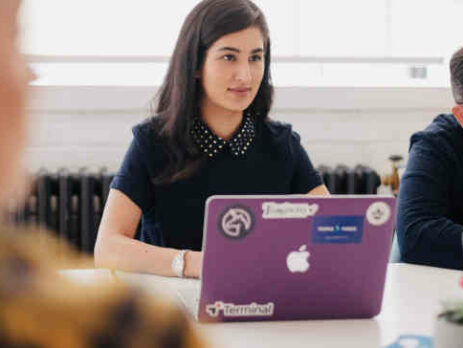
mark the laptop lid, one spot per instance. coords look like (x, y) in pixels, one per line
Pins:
(294, 257)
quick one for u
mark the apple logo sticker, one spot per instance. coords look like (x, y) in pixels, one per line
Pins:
(297, 261)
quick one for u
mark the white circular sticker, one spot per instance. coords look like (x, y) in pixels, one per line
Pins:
(378, 213)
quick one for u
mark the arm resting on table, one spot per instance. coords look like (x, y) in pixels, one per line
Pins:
(116, 247)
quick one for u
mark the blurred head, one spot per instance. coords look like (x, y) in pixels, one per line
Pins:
(199, 71)
(456, 80)
(13, 81)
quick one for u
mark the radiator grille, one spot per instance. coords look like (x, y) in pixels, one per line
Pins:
(71, 204)
(344, 180)
(68, 204)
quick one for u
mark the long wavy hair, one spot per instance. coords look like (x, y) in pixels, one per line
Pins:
(178, 100)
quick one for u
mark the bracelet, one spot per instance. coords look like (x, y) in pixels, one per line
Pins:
(178, 263)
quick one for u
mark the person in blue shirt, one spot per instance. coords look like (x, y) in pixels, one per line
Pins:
(211, 134)
(430, 209)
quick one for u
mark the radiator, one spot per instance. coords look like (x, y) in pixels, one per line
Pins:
(344, 180)
(70, 204)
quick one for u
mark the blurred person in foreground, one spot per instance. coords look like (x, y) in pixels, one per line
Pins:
(430, 209)
(39, 308)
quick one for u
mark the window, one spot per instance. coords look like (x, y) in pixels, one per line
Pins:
(324, 42)
(103, 27)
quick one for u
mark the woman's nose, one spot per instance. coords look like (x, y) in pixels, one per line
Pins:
(243, 73)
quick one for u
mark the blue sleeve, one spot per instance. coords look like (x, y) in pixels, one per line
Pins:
(425, 234)
(306, 177)
(133, 178)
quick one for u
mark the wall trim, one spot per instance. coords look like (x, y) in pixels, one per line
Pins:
(98, 98)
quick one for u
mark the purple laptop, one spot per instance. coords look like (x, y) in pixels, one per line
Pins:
(294, 257)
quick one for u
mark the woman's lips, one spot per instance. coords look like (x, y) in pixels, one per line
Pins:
(242, 92)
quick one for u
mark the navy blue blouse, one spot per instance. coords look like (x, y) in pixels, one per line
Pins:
(172, 214)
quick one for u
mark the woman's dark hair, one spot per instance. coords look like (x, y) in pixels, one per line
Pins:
(179, 96)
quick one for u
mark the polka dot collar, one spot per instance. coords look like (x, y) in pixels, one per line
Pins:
(211, 144)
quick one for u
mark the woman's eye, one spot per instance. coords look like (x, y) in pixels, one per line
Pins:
(229, 57)
(255, 58)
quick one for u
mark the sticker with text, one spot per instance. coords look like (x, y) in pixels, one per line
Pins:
(246, 310)
(286, 210)
(337, 229)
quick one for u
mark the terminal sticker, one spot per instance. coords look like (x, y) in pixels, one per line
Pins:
(337, 229)
(243, 310)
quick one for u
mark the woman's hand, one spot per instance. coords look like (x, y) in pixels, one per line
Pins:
(193, 264)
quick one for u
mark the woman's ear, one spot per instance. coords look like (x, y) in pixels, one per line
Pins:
(457, 111)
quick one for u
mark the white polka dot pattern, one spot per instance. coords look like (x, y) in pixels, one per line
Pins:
(211, 144)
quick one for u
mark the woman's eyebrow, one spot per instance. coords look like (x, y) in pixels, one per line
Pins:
(229, 49)
(233, 49)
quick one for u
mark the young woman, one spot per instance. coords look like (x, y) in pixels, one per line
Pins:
(211, 135)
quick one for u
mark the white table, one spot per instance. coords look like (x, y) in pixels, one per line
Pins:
(411, 301)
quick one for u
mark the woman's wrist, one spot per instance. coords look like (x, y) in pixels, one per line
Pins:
(192, 264)
(178, 263)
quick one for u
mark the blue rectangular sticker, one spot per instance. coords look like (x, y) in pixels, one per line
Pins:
(337, 229)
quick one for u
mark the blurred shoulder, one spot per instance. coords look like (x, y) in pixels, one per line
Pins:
(104, 313)
(443, 133)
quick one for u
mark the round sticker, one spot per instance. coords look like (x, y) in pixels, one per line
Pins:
(378, 213)
(236, 222)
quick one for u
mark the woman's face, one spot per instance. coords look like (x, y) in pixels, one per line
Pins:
(233, 70)
(14, 77)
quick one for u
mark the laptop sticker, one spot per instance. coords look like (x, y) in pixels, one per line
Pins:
(337, 229)
(236, 222)
(286, 210)
(245, 310)
(378, 213)
(298, 261)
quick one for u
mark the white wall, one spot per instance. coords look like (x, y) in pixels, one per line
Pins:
(91, 126)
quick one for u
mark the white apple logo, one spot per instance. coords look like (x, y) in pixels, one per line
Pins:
(297, 261)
